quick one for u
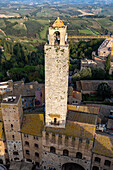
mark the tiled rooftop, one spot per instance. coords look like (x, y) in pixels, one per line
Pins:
(82, 117)
(35, 110)
(84, 108)
(75, 129)
(33, 124)
(104, 145)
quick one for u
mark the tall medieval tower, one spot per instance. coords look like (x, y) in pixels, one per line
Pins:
(56, 75)
(12, 113)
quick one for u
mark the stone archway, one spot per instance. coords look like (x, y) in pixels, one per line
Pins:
(72, 166)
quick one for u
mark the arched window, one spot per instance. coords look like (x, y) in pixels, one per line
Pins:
(65, 152)
(52, 150)
(97, 159)
(36, 145)
(107, 163)
(79, 155)
(26, 143)
(15, 153)
(14, 146)
(12, 126)
(13, 137)
(36, 154)
(27, 152)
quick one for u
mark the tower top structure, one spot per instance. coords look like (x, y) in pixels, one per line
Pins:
(58, 23)
(57, 33)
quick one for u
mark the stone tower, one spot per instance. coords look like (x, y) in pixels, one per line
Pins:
(56, 75)
(12, 113)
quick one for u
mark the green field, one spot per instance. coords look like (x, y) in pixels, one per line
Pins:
(34, 20)
(87, 32)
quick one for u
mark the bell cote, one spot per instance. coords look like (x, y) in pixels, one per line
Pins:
(57, 33)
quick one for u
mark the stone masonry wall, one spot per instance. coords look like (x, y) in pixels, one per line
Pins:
(56, 82)
(56, 160)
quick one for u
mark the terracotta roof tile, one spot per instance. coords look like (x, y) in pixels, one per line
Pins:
(33, 124)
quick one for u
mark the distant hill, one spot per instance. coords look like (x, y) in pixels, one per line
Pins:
(59, 1)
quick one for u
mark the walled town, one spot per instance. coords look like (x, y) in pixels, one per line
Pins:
(46, 126)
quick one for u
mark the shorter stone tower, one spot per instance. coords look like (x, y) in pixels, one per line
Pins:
(12, 113)
(56, 75)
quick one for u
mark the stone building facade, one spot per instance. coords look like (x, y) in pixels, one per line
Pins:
(102, 152)
(32, 128)
(2, 145)
(105, 48)
(90, 86)
(59, 149)
(12, 113)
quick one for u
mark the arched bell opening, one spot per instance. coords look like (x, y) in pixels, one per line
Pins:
(57, 38)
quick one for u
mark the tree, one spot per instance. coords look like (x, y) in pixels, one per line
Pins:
(98, 73)
(104, 90)
(84, 74)
(107, 65)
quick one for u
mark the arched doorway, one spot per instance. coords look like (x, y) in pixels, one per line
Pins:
(72, 166)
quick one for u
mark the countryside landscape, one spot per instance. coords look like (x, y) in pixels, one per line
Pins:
(56, 85)
(24, 29)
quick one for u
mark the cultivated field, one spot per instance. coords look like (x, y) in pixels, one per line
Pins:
(30, 22)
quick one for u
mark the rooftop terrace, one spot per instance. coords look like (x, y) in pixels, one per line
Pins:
(12, 99)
